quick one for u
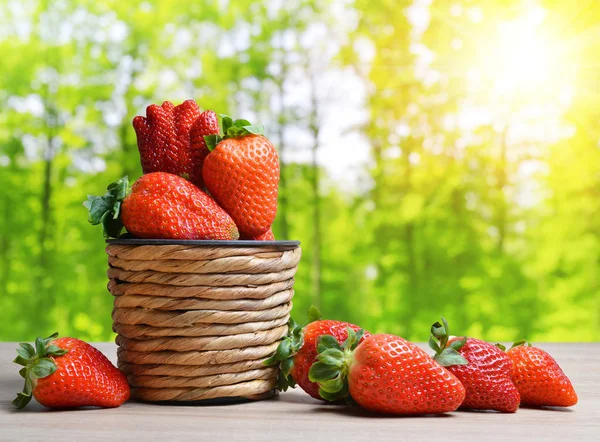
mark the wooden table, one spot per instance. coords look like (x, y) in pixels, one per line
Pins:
(295, 416)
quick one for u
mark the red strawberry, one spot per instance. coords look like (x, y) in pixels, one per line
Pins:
(539, 378)
(163, 138)
(161, 206)
(298, 351)
(206, 124)
(68, 373)
(267, 236)
(242, 174)
(385, 374)
(483, 369)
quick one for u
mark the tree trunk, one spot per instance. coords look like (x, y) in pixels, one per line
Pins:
(501, 181)
(283, 184)
(315, 182)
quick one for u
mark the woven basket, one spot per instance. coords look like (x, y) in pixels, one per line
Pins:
(196, 319)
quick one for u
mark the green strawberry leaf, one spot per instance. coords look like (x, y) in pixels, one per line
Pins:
(314, 314)
(458, 344)
(241, 123)
(321, 371)
(433, 344)
(332, 385)
(26, 350)
(36, 365)
(326, 342)
(21, 400)
(226, 122)
(446, 355)
(520, 343)
(106, 209)
(343, 393)
(212, 141)
(332, 357)
(449, 357)
(351, 340)
(54, 350)
(254, 130)
(40, 346)
(43, 368)
(21, 360)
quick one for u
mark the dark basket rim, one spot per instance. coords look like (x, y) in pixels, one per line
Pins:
(201, 242)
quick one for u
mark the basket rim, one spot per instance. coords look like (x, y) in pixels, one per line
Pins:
(201, 242)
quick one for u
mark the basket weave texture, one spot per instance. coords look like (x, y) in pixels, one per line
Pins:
(195, 322)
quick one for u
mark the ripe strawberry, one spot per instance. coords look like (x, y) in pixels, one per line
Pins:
(267, 236)
(298, 351)
(483, 369)
(539, 378)
(163, 138)
(160, 206)
(69, 373)
(242, 173)
(206, 124)
(385, 374)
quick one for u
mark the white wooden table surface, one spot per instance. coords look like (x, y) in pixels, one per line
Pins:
(296, 416)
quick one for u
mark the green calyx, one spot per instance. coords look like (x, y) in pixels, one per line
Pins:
(446, 355)
(106, 209)
(520, 343)
(333, 363)
(37, 363)
(287, 349)
(230, 129)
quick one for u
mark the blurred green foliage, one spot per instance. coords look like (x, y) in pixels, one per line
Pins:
(481, 207)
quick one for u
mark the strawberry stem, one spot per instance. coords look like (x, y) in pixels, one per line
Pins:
(231, 128)
(333, 364)
(37, 364)
(106, 209)
(446, 355)
(289, 346)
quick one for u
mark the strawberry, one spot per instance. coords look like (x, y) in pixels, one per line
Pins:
(206, 124)
(539, 378)
(267, 236)
(242, 173)
(483, 369)
(160, 206)
(384, 374)
(298, 351)
(163, 138)
(69, 373)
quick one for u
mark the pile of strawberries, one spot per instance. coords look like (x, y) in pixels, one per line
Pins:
(334, 361)
(337, 361)
(199, 182)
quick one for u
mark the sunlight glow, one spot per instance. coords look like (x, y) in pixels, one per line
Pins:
(523, 62)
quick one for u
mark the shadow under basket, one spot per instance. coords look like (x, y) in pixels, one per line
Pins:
(196, 319)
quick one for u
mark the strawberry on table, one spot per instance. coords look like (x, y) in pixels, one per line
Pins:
(539, 378)
(483, 369)
(164, 139)
(160, 206)
(298, 351)
(69, 373)
(384, 374)
(242, 174)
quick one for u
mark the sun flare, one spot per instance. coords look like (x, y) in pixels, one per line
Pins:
(523, 62)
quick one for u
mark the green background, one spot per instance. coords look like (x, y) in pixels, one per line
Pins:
(494, 225)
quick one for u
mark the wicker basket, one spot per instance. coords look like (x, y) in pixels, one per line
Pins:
(196, 319)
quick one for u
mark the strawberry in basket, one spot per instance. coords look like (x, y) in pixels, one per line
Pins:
(161, 206)
(171, 139)
(241, 172)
